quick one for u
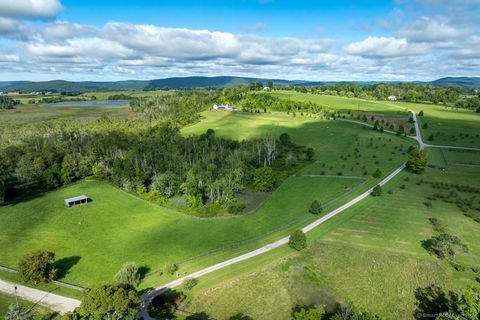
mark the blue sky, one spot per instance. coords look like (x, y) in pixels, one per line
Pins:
(316, 40)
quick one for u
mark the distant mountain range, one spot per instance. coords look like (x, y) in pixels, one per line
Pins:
(196, 82)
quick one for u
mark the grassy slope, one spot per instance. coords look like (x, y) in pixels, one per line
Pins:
(441, 119)
(117, 227)
(370, 255)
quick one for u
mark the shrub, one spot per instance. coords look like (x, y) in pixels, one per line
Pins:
(189, 283)
(38, 266)
(264, 179)
(377, 173)
(128, 274)
(376, 191)
(420, 113)
(417, 161)
(444, 245)
(18, 312)
(170, 268)
(297, 240)
(236, 207)
(315, 207)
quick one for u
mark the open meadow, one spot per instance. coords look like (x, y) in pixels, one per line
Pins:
(116, 227)
(370, 256)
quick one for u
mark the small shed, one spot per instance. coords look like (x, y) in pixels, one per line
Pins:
(72, 202)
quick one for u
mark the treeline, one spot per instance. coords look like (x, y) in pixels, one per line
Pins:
(7, 102)
(263, 102)
(182, 107)
(154, 162)
(409, 92)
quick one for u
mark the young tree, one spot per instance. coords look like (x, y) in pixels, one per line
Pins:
(417, 161)
(377, 174)
(420, 113)
(444, 245)
(128, 275)
(38, 266)
(18, 312)
(315, 207)
(376, 191)
(189, 283)
(297, 240)
(104, 301)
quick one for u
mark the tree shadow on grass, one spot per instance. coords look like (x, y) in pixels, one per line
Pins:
(198, 316)
(143, 271)
(431, 301)
(240, 316)
(65, 264)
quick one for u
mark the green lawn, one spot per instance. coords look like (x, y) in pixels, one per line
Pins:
(369, 256)
(117, 227)
(449, 126)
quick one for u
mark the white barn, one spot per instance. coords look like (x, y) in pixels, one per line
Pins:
(222, 107)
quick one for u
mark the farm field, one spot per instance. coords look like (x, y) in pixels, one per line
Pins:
(443, 122)
(117, 227)
(23, 114)
(370, 256)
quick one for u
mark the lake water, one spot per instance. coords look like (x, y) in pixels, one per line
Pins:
(91, 104)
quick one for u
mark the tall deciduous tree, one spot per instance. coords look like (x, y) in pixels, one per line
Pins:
(128, 275)
(417, 161)
(38, 266)
(103, 302)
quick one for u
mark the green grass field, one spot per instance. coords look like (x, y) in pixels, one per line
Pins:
(22, 114)
(456, 127)
(117, 227)
(369, 256)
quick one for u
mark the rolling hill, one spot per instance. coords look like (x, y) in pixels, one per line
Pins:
(194, 82)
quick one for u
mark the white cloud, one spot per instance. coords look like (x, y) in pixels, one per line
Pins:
(81, 47)
(7, 26)
(385, 47)
(428, 29)
(64, 29)
(30, 9)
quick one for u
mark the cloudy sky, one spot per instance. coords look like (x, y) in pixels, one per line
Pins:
(300, 39)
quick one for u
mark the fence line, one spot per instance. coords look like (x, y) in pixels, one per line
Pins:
(59, 283)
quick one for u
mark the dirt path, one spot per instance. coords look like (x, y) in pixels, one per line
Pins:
(148, 297)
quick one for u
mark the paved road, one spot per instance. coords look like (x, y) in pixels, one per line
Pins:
(53, 301)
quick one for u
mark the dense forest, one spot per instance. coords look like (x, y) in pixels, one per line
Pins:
(147, 155)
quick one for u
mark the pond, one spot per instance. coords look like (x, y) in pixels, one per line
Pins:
(91, 104)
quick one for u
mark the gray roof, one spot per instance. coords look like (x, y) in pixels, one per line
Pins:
(77, 198)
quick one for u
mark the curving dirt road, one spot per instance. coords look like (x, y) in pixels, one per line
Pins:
(147, 298)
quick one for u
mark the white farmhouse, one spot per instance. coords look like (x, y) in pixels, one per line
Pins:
(222, 107)
(392, 97)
